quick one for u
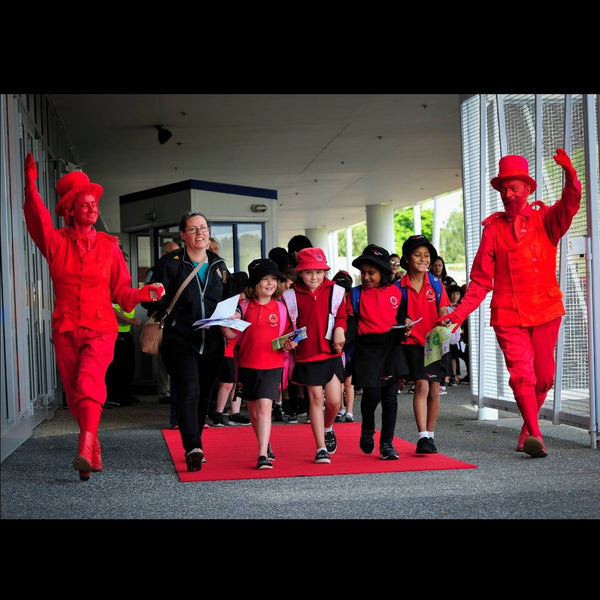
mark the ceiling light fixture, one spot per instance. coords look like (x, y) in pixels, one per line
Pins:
(164, 135)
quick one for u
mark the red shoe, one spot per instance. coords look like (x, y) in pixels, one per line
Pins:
(534, 446)
(97, 457)
(521, 443)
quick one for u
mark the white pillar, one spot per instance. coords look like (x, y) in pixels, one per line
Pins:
(318, 237)
(380, 226)
(417, 218)
(435, 237)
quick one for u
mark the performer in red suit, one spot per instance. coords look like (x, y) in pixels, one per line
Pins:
(517, 260)
(89, 274)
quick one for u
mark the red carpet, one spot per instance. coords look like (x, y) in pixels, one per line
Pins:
(231, 453)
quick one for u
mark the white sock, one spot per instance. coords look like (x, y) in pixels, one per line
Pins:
(319, 449)
(349, 414)
(342, 412)
(423, 434)
(328, 429)
(431, 434)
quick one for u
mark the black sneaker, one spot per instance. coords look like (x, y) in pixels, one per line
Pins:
(348, 418)
(263, 463)
(277, 413)
(218, 419)
(194, 459)
(426, 446)
(388, 452)
(453, 381)
(330, 441)
(270, 454)
(339, 418)
(367, 443)
(322, 457)
(292, 418)
(239, 419)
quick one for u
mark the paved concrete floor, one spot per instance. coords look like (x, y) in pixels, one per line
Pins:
(139, 480)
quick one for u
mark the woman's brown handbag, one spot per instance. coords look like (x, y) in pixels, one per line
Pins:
(152, 331)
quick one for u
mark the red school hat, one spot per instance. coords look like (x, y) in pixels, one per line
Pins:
(312, 259)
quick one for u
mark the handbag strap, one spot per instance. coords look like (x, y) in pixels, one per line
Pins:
(181, 288)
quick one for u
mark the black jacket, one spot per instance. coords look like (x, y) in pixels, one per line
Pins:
(196, 302)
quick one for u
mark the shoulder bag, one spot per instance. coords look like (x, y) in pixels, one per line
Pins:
(152, 331)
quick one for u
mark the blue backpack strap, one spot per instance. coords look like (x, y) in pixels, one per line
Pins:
(436, 284)
(356, 298)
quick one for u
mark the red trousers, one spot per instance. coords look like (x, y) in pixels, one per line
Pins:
(82, 357)
(529, 355)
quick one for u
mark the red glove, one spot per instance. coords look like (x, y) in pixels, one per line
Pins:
(30, 172)
(152, 292)
(562, 159)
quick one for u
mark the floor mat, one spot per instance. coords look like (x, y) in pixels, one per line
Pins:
(231, 453)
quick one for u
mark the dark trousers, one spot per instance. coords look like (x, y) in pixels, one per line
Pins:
(120, 372)
(193, 376)
(371, 397)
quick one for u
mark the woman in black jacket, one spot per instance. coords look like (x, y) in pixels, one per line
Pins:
(192, 356)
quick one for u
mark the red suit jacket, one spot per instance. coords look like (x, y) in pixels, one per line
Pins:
(520, 267)
(88, 272)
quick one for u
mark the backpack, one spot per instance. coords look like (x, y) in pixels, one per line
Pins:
(436, 284)
(282, 316)
(335, 299)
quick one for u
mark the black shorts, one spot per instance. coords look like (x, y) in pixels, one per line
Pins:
(415, 357)
(253, 384)
(227, 370)
(318, 372)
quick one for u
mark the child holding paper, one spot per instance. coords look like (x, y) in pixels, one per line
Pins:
(259, 367)
(422, 303)
(319, 363)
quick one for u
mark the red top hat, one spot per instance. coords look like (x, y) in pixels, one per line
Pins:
(71, 184)
(513, 167)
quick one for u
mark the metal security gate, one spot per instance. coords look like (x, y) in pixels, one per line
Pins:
(534, 126)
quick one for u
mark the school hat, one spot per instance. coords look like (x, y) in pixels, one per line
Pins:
(239, 281)
(414, 241)
(513, 167)
(344, 279)
(260, 267)
(281, 256)
(376, 255)
(297, 243)
(312, 258)
(71, 184)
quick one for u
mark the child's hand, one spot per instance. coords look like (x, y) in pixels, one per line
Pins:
(228, 333)
(289, 344)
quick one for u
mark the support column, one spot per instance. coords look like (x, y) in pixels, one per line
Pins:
(380, 226)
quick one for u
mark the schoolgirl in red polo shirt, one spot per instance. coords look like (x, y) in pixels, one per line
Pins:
(378, 362)
(319, 356)
(259, 367)
(417, 255)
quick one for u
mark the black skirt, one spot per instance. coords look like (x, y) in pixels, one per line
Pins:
(318, 372)
(378, 359)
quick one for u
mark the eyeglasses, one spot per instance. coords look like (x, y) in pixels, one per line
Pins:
(200, 229)
(394, 263)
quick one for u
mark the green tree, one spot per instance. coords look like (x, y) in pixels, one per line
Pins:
(359, 239)
(404, 225)
(452, 238)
